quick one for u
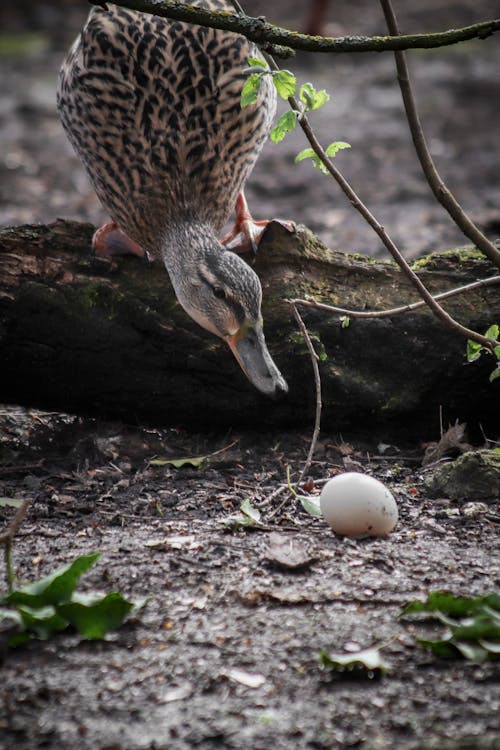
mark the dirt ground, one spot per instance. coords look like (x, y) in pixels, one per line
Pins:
(226, 652)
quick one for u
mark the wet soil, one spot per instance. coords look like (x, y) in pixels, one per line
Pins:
(226, 652)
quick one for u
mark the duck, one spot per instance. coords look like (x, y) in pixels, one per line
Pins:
(152, 108)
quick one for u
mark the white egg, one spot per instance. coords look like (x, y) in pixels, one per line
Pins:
(356, 505)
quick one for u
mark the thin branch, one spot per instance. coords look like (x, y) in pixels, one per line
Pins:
(6, 539)
(391, 312)
(358, 204)
(442, 193)
(317, 381)
(261, 32)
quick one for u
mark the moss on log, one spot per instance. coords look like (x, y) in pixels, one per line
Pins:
(107, 337)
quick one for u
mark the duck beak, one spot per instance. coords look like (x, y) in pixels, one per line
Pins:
(249, 347)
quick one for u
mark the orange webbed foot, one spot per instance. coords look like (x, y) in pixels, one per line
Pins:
(246, 234)
(109, 240)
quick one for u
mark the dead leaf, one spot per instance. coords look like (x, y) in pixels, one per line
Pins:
(289, 554)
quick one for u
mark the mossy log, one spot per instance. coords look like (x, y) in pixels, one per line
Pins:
(107, 337)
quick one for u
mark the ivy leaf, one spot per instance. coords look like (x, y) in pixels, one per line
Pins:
(54, 588)
(41, 621)
(94, 616)
(285, 83)
(250, 90)
(369, 661)
(285, 124)
(310, 504)
(455, 606)
(311, 98)
(473, 624)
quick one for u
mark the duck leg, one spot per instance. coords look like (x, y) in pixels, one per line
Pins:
(110, 240)
(246, 233)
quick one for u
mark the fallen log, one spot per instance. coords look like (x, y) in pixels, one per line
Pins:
(104, 337)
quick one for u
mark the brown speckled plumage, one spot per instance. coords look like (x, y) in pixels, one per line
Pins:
(152, 107)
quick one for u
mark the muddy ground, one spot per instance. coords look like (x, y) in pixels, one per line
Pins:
(226, 652)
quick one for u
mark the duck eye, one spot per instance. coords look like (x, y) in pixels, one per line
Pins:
(219, 293)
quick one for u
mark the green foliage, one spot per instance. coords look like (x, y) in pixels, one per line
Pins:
(285, 124)
(330, 151)
(472, 624)
(50, 605)
(247, 517)
(250, 90)
(312, 99)
(475, 350)
(345, 321)
(284, 82)
(310, 504)
(368, 662)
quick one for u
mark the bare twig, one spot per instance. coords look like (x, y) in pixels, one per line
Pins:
(394, 310)
(317, 382)
(6, 539)
(440, 190)
(262, 33)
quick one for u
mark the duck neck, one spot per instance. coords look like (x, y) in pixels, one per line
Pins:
(184, 245)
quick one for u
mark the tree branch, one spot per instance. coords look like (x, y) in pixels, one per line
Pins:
(317, 381)
(391, 312)
(440, 190)
(261, 32)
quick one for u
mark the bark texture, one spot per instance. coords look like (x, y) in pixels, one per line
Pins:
(107, 337)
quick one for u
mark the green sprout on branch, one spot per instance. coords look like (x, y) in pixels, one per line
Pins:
(309, 100)
(475, 350)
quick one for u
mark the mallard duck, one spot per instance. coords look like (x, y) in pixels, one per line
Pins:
(152, 107)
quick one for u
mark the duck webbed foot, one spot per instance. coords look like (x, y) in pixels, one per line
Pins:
(246, 233)
(109, 240)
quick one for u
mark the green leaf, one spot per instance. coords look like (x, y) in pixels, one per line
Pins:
(94, 616)
(311, 98)
(250, 90)
(496, 351)
(307, 153)
(248, 510)
(473, 624)
(248, 517)
(345, 321)
(285, 83)
(257, 62)
(41, 621)
(473, 351)
(54, 588)
(285, 124)
(495, 374)
(11, 614)
(456, 606)
(310, 504)
(333, 149)
(492, 332)
(13, 502)
(369, 661)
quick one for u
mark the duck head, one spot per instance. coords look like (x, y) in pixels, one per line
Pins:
(223, 295)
